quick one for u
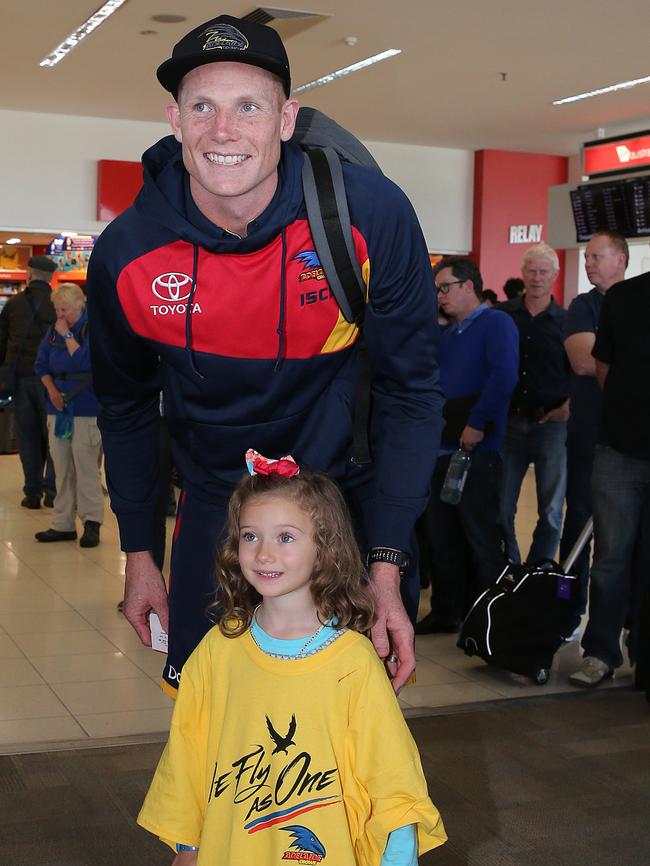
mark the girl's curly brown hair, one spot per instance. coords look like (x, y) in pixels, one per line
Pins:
(339, 584)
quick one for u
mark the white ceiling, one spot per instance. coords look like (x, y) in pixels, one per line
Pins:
(445, 89)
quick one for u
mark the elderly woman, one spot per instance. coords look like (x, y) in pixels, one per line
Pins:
(63, 364)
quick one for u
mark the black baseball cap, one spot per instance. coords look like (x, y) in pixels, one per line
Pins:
(41, 263)
(226, 38)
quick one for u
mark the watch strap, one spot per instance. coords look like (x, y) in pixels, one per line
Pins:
(390, 555)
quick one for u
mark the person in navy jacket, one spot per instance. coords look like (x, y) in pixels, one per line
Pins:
(209, 289)
(63, 365)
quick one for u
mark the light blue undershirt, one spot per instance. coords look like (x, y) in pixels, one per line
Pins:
(402, 844)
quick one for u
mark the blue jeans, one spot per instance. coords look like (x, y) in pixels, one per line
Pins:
(580, 463)
(31, 432)
(621, 496)
(544, 445)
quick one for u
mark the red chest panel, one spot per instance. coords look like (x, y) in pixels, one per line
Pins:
(236, 305)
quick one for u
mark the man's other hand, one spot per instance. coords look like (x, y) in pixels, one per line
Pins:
(144, 591)
(470, 437)
(392, 634)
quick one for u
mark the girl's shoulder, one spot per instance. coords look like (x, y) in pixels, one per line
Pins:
(216, 641)
(363, 651)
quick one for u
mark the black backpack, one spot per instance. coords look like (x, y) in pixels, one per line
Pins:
(325, 144)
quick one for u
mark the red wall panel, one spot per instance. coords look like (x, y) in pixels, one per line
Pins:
(511, 189)
(118, 183)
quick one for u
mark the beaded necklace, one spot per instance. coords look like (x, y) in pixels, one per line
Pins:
(303, 652)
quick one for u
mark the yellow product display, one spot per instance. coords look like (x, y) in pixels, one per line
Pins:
(272, 761)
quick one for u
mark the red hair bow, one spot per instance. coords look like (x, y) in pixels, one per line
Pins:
(257, 464)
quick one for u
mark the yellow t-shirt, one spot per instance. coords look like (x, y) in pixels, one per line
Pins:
(272, 761)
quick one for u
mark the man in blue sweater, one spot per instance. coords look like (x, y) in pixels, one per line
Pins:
(479, 358)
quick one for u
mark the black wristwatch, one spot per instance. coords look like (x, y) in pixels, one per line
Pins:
(390, 555)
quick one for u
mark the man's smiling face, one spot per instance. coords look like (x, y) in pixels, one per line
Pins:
(231, 119)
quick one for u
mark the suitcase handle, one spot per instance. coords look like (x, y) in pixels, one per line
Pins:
(578, 547)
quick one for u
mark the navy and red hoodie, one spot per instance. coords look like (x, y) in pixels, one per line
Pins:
(248, 346)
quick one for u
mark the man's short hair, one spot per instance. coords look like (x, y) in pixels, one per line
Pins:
(542, 251)
(513, 288)
(616, 241)
(463, 269)
(490, 295)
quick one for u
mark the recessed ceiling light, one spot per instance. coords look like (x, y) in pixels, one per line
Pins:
(12, 241)
(623, 85)
(168, 19)
(355, 67)
(81, 32)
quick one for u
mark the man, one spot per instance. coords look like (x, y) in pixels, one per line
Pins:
(24, 321)
(199, 289)
(621, 475)
(536, 429)
(606, 258)
(479, 355)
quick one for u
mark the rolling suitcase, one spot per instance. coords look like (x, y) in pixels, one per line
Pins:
(524, 617)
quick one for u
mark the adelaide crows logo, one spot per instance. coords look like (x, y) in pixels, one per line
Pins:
(282, 743)
(311, 266)
(309, 848)
(224, 36)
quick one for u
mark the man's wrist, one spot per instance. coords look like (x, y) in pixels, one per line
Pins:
(389, 556)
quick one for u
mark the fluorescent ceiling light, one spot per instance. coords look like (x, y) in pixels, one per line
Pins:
(624, 85)
(12, 241)
(332, 76)
(85, 29)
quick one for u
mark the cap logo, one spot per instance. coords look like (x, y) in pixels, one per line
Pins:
(224, 36)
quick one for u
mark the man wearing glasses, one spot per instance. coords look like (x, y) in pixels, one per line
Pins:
(478, 368)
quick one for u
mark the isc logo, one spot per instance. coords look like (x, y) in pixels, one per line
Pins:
(323, 294)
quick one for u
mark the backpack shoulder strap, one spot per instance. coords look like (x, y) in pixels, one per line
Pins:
(331, 229)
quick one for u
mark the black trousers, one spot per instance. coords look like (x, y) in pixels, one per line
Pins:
(466, 540)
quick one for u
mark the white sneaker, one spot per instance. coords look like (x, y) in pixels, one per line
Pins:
(592, 672)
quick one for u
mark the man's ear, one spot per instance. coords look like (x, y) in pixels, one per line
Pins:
(288, 118)
(174, 118)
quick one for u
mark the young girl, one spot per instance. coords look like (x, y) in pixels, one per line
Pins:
(287, 742)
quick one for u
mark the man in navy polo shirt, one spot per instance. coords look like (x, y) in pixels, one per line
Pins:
(479, 355)
(537, 423)
(606, 258)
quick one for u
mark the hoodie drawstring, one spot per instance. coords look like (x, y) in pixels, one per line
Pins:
(283, 298)
(188, 315)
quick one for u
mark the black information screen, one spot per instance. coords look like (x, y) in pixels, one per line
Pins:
(638, 194)
(602, 206)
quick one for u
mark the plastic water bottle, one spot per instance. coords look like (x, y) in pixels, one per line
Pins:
(452, 489)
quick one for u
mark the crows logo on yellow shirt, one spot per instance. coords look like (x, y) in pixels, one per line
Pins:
(272, 790)
(309, 847)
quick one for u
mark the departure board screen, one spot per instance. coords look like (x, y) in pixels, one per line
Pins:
(618, 205)
(599, 207)
(638, 194)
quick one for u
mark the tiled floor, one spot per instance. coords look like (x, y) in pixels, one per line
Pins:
(561, 780)
(72, 669)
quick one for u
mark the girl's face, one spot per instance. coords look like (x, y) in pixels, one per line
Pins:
(277, 552)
